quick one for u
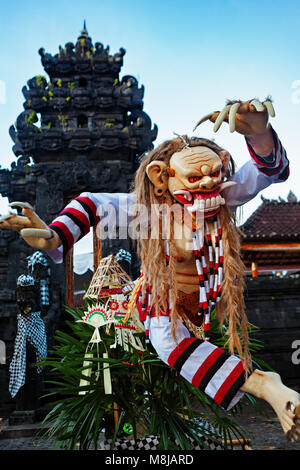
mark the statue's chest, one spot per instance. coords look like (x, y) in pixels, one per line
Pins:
(184, 243)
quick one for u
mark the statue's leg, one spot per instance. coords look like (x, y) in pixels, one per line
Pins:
(284, 400)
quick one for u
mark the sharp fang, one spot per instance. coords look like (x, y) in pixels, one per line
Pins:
(227, 184)
(186, 194)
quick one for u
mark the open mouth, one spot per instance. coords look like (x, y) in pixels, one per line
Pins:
(199, 201)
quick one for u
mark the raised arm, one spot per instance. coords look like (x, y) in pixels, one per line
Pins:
(259, 172)
(268, 163)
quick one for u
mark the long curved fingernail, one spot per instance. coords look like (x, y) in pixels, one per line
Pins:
(24, 205)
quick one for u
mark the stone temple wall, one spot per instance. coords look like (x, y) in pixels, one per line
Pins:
(273, 305)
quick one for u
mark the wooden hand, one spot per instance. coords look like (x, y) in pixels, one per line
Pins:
(31, 228)
(249, 118)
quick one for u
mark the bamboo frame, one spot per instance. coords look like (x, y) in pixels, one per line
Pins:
(109, 278)
(97, 248)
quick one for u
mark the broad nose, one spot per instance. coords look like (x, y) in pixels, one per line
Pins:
(207, 183)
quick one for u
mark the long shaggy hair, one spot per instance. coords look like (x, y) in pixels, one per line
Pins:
(230, 310)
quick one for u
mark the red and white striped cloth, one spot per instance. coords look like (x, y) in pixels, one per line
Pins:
(209, 368)
(75, 220)
(217, 373)
(275, 164)
(257, 174)
(86, 211)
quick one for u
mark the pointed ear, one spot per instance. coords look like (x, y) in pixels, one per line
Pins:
(225, 157)
(158, 177)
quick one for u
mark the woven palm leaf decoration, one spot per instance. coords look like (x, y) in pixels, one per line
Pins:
(109, 279)
(97, 316)
(110, 287)
(125, 330)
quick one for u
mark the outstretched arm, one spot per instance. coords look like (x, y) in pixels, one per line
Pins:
(86, 211)
(74, 221)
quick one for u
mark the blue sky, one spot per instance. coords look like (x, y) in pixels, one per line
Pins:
(190, 56)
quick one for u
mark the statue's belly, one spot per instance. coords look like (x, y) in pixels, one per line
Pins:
(186, 272)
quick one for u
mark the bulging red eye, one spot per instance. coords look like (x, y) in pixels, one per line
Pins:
(215, 174)
(193, 179)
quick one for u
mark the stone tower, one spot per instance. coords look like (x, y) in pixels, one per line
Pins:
(82, 129)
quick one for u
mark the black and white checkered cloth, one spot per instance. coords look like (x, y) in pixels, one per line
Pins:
(30, 328)
(25, 280)
(151, 442)
(36, 258)
(147, 443)
(39, 258)
(44, 293)
(123, 255)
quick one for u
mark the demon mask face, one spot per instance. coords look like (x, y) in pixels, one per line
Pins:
(194, 178)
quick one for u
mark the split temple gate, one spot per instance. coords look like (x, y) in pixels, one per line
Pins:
(82, 129)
